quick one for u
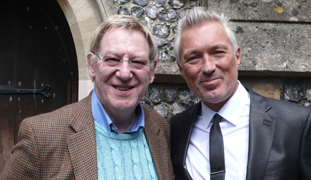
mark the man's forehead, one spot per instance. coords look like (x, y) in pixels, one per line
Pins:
(127, 29)
(212, 33)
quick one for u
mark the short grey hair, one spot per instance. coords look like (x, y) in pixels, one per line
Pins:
(200, 15)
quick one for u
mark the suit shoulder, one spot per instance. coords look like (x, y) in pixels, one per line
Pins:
(57, 117)
(283, 110)
(187, 114)
(262, 102)
(286, 105)
(62, 111)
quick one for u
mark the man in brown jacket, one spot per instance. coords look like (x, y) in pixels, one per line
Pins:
(107, 135)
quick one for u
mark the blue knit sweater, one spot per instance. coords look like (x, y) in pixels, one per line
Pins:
(123, 156)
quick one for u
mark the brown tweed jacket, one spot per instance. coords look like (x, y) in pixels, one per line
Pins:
(62, 145)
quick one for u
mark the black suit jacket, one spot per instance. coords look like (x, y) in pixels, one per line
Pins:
(279, 140)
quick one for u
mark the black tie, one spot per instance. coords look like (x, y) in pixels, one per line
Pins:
(216, 149)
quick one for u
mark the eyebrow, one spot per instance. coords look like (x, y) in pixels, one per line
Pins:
(193, 51)
(220, 46)
(131, 55)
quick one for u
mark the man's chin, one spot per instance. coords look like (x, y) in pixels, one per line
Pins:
(123, 106)
(211, 97)
(211, 87)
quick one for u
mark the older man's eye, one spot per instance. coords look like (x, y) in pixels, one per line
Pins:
(112, 59)
(138, 64)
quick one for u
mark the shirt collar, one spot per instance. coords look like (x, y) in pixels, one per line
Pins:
(101, 117)
(232, 110)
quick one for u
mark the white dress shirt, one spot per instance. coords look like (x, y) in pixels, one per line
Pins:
(235, 131)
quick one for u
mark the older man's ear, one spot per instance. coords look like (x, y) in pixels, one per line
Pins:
(155, 62)
(91, 65)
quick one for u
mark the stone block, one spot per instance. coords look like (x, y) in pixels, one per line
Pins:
(167, 68)
(268, 87)
(274, 46)
(262, 10)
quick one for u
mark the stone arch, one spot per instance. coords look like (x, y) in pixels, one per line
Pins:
(83, 17)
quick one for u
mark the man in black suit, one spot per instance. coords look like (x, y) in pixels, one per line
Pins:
(258, 137)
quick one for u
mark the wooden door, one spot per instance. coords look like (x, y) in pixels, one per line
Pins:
(36, 52)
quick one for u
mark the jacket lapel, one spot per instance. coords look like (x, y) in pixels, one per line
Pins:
(186, 132)
(82, 144)
(261, 133)
(181, 133)
(151, 132)
(156, 144)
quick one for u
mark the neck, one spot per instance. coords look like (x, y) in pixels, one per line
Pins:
(123, 120)
(217, 106)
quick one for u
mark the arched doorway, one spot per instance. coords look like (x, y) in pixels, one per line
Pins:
(38, 71)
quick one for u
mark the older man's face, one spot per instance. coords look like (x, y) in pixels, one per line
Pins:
(121, 87)
(208, 63)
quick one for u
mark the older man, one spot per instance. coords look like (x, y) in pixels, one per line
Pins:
(233, 133)
(107, 135)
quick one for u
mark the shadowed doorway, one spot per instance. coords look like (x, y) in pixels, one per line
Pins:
(39, 71)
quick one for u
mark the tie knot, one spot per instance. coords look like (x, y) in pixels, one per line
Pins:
(217, 118)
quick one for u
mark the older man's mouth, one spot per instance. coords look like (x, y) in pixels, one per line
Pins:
(123, 88)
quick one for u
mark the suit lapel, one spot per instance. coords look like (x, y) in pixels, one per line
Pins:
(181, 133)
(187, 129)
(261, 133)
(82, 144)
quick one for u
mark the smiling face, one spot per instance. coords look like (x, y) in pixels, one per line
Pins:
(121, 88)
(209, 64)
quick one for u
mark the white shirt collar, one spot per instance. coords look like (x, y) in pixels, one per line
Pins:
(232, 110)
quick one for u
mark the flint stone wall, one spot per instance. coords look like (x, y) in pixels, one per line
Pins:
(275, 41)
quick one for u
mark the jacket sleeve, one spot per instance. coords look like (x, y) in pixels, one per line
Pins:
(24, 161)
(305, 157)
